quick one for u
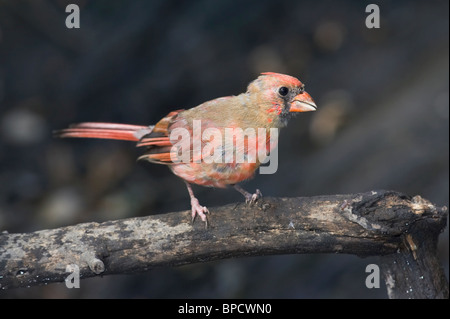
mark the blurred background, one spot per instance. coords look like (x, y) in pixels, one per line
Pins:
(382, 122)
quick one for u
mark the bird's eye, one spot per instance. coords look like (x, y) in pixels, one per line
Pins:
(283, 91)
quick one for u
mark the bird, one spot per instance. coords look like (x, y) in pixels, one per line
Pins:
(267, 105)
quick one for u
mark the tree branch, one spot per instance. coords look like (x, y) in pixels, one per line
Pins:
(402, 229)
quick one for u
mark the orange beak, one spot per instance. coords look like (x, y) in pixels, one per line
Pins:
(303, 103)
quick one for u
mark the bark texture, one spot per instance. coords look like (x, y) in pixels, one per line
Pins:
(402, 230)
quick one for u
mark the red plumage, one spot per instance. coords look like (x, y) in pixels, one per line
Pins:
(268, 103)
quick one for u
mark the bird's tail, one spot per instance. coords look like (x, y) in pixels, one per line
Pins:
(125, 132)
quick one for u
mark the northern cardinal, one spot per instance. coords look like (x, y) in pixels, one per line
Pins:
(269, 102)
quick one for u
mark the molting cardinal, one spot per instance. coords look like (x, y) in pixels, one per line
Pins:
(268, 104)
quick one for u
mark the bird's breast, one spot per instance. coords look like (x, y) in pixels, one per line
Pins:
(214, 174)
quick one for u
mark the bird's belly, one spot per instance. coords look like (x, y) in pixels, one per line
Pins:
(214, 174)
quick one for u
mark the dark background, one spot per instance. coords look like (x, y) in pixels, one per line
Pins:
(382, 122)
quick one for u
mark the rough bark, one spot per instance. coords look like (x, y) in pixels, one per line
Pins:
(401, 229)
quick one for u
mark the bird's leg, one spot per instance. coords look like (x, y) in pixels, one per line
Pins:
(197, 209)
(249, 198)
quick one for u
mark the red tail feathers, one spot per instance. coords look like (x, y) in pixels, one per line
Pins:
(112, 131)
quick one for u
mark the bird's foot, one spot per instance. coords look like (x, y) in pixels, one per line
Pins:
(252, 198)
(199, 210)
(249, 198)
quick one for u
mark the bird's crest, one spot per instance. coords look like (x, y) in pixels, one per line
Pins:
(284, 78)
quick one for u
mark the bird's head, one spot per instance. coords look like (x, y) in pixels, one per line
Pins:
(281, 96)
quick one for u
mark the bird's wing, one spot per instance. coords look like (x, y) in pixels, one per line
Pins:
(158, 142)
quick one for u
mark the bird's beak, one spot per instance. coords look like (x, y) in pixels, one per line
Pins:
(303, 103)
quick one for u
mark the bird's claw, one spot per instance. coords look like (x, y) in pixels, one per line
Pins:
(252, 198)
(199, 210)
